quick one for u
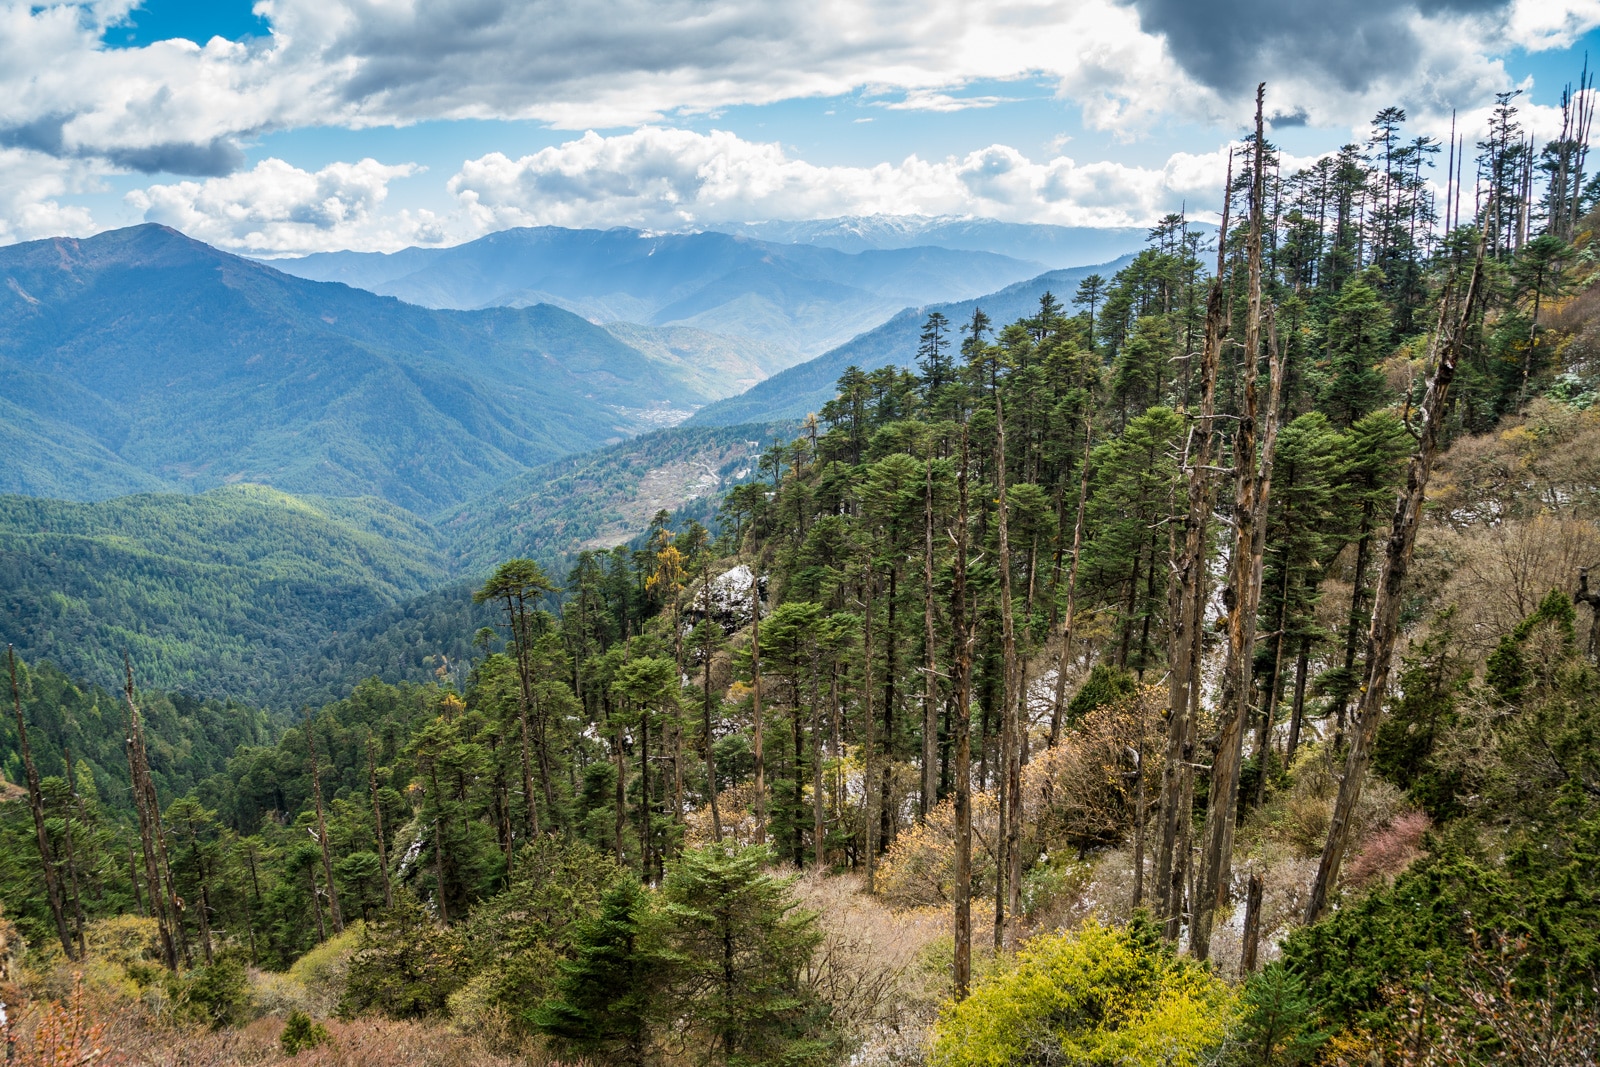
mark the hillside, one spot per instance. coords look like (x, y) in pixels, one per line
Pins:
(804, 388)
(604, 499)
(227, 592)
(802, 298)
(248, 592)
(139, 359)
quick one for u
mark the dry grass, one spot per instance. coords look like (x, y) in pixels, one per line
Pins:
(877, 970)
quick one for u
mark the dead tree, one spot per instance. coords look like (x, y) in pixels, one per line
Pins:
(962, 729)
(1449, 339)
(322, 829)
(149, 825)
(52, 879)
(1186, 604)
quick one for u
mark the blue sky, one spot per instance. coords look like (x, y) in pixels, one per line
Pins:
(293, 126)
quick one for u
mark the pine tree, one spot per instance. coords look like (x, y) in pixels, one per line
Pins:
(603, 1008)
(740, 942)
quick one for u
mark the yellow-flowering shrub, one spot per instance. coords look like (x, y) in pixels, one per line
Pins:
(1091, 996)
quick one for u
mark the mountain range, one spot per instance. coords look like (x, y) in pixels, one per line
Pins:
(801, 297)
(1050, 246)
(802, 389)
(277, 485)
(140, 359)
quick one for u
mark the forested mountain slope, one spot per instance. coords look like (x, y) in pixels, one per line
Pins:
(801, 298)
(607, 498)
(1211, 645)
(226, 593)
(249, 592)
(803, 389)
(140, 357)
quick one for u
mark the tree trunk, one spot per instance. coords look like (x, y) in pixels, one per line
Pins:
(52, 879)
(1065, 659)
(1186, 603)
(1386, 606)
(149, 825)
(377, 822)
(322, 829)
(930, 697)
(1251, 485)
(755, 682)
(1005, 911)
(1252, 927)
(962, 728)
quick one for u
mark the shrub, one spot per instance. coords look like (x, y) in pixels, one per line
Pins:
(217, 995)
(406, 966)
(1095, 995)
(301, 1033)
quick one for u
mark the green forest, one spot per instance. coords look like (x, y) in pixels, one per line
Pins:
(1200, 669)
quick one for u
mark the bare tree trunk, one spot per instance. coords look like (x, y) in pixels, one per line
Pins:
(818, 823)
(869, 794)
(1386, 606)
(322, 829)
(1252, 927)
(1186, 603)
(74, 803)
(438, 872)
(149, 825)
(962, 728)
(711, 755)
(1006, 905)
(1243, 583)
(52, 880)
(377, 822)
(1058, 707)
(930, 698)
(755, 681)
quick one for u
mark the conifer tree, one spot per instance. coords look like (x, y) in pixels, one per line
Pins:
(605, 1000)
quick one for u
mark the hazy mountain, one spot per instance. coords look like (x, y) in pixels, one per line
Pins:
(1050, 246)
(140, 359)
(800, 297)
(605, 498)
(802, 389)
(714, 364)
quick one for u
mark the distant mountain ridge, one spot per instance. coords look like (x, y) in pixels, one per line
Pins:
(140, 359)
(803, 297)
(1055, 247)
(803, 389)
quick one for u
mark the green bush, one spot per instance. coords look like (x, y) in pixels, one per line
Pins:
(300, 1033)
(217, 995)
(1093, 996)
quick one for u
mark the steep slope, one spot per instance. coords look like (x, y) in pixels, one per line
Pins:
(804, 298)
(226, 592)
(605, 498)
(803, 389)
(140, 358)
(713, 364)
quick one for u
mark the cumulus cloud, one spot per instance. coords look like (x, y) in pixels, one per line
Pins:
(673, 179)
(30, 183)
(275, 208)
(183, 106)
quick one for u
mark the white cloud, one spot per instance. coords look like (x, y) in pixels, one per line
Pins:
(930, 100)
(277, 208)
(182, 106)
(30, 183)
(672, 179)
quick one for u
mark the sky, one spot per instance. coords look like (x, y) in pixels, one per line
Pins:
(286, 127)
